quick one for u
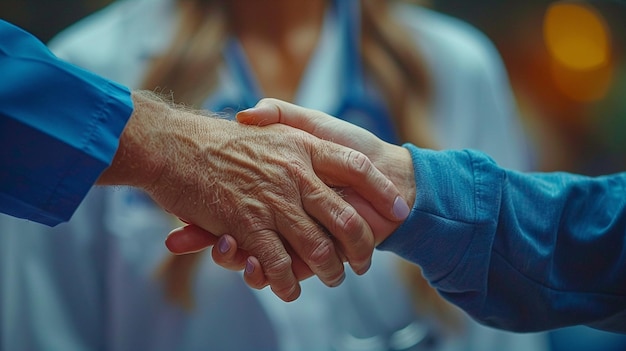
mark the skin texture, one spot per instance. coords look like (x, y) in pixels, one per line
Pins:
(266, 187)
(392, 160)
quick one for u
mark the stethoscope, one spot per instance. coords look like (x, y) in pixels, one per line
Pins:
(359, 103)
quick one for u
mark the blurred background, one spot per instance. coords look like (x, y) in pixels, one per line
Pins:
(567, 66)
(566, 62)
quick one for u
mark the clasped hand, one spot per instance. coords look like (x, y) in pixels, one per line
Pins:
(285, 196)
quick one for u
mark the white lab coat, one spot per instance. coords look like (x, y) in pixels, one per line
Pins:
(89, 284)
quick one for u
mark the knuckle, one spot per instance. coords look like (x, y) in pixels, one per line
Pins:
(325, 263)
(280, 278)
(387, 186)
(323, 252)
(298, 170)
(348, 220)
(358, 163)
(315, 191)
(250, 223)
(279, 268)
(252, 233)
(356, 240)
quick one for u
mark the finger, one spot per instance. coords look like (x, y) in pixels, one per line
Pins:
(265, 245)
(311, 242)
(253, 274)
(342, 166)
(270, 111)
(381, 226)
(345, 167)
(255, 278)
(349, 229)
(301, 269)
(226, 254)
(189, 239)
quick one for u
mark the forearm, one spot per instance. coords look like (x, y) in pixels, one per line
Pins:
(59, 129)
(517, 251)
(444, 222)
(497, 243)
(560, 246)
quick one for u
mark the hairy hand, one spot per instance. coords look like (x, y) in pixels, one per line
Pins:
(266, 187)
(393, 161)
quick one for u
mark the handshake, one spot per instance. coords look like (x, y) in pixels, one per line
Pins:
(290, 194)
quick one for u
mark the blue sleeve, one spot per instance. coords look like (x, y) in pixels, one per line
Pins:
(518, 251)
(59, 129)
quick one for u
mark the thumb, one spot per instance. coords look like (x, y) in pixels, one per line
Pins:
(261, 115)
(270, 111)
(189, 239)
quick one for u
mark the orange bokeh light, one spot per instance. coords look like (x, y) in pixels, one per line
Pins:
(579, 42)
(577, 35)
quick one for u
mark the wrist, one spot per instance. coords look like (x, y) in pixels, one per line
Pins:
(138, 160)
(396, 163)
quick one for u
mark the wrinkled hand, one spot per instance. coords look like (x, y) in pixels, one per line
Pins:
(226, 253)
(264, 186)
(393, 161)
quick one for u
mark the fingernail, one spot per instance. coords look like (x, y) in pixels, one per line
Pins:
(223, 245)
(400, 208)
(252, 109)
(249, 267)
(240, 114)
